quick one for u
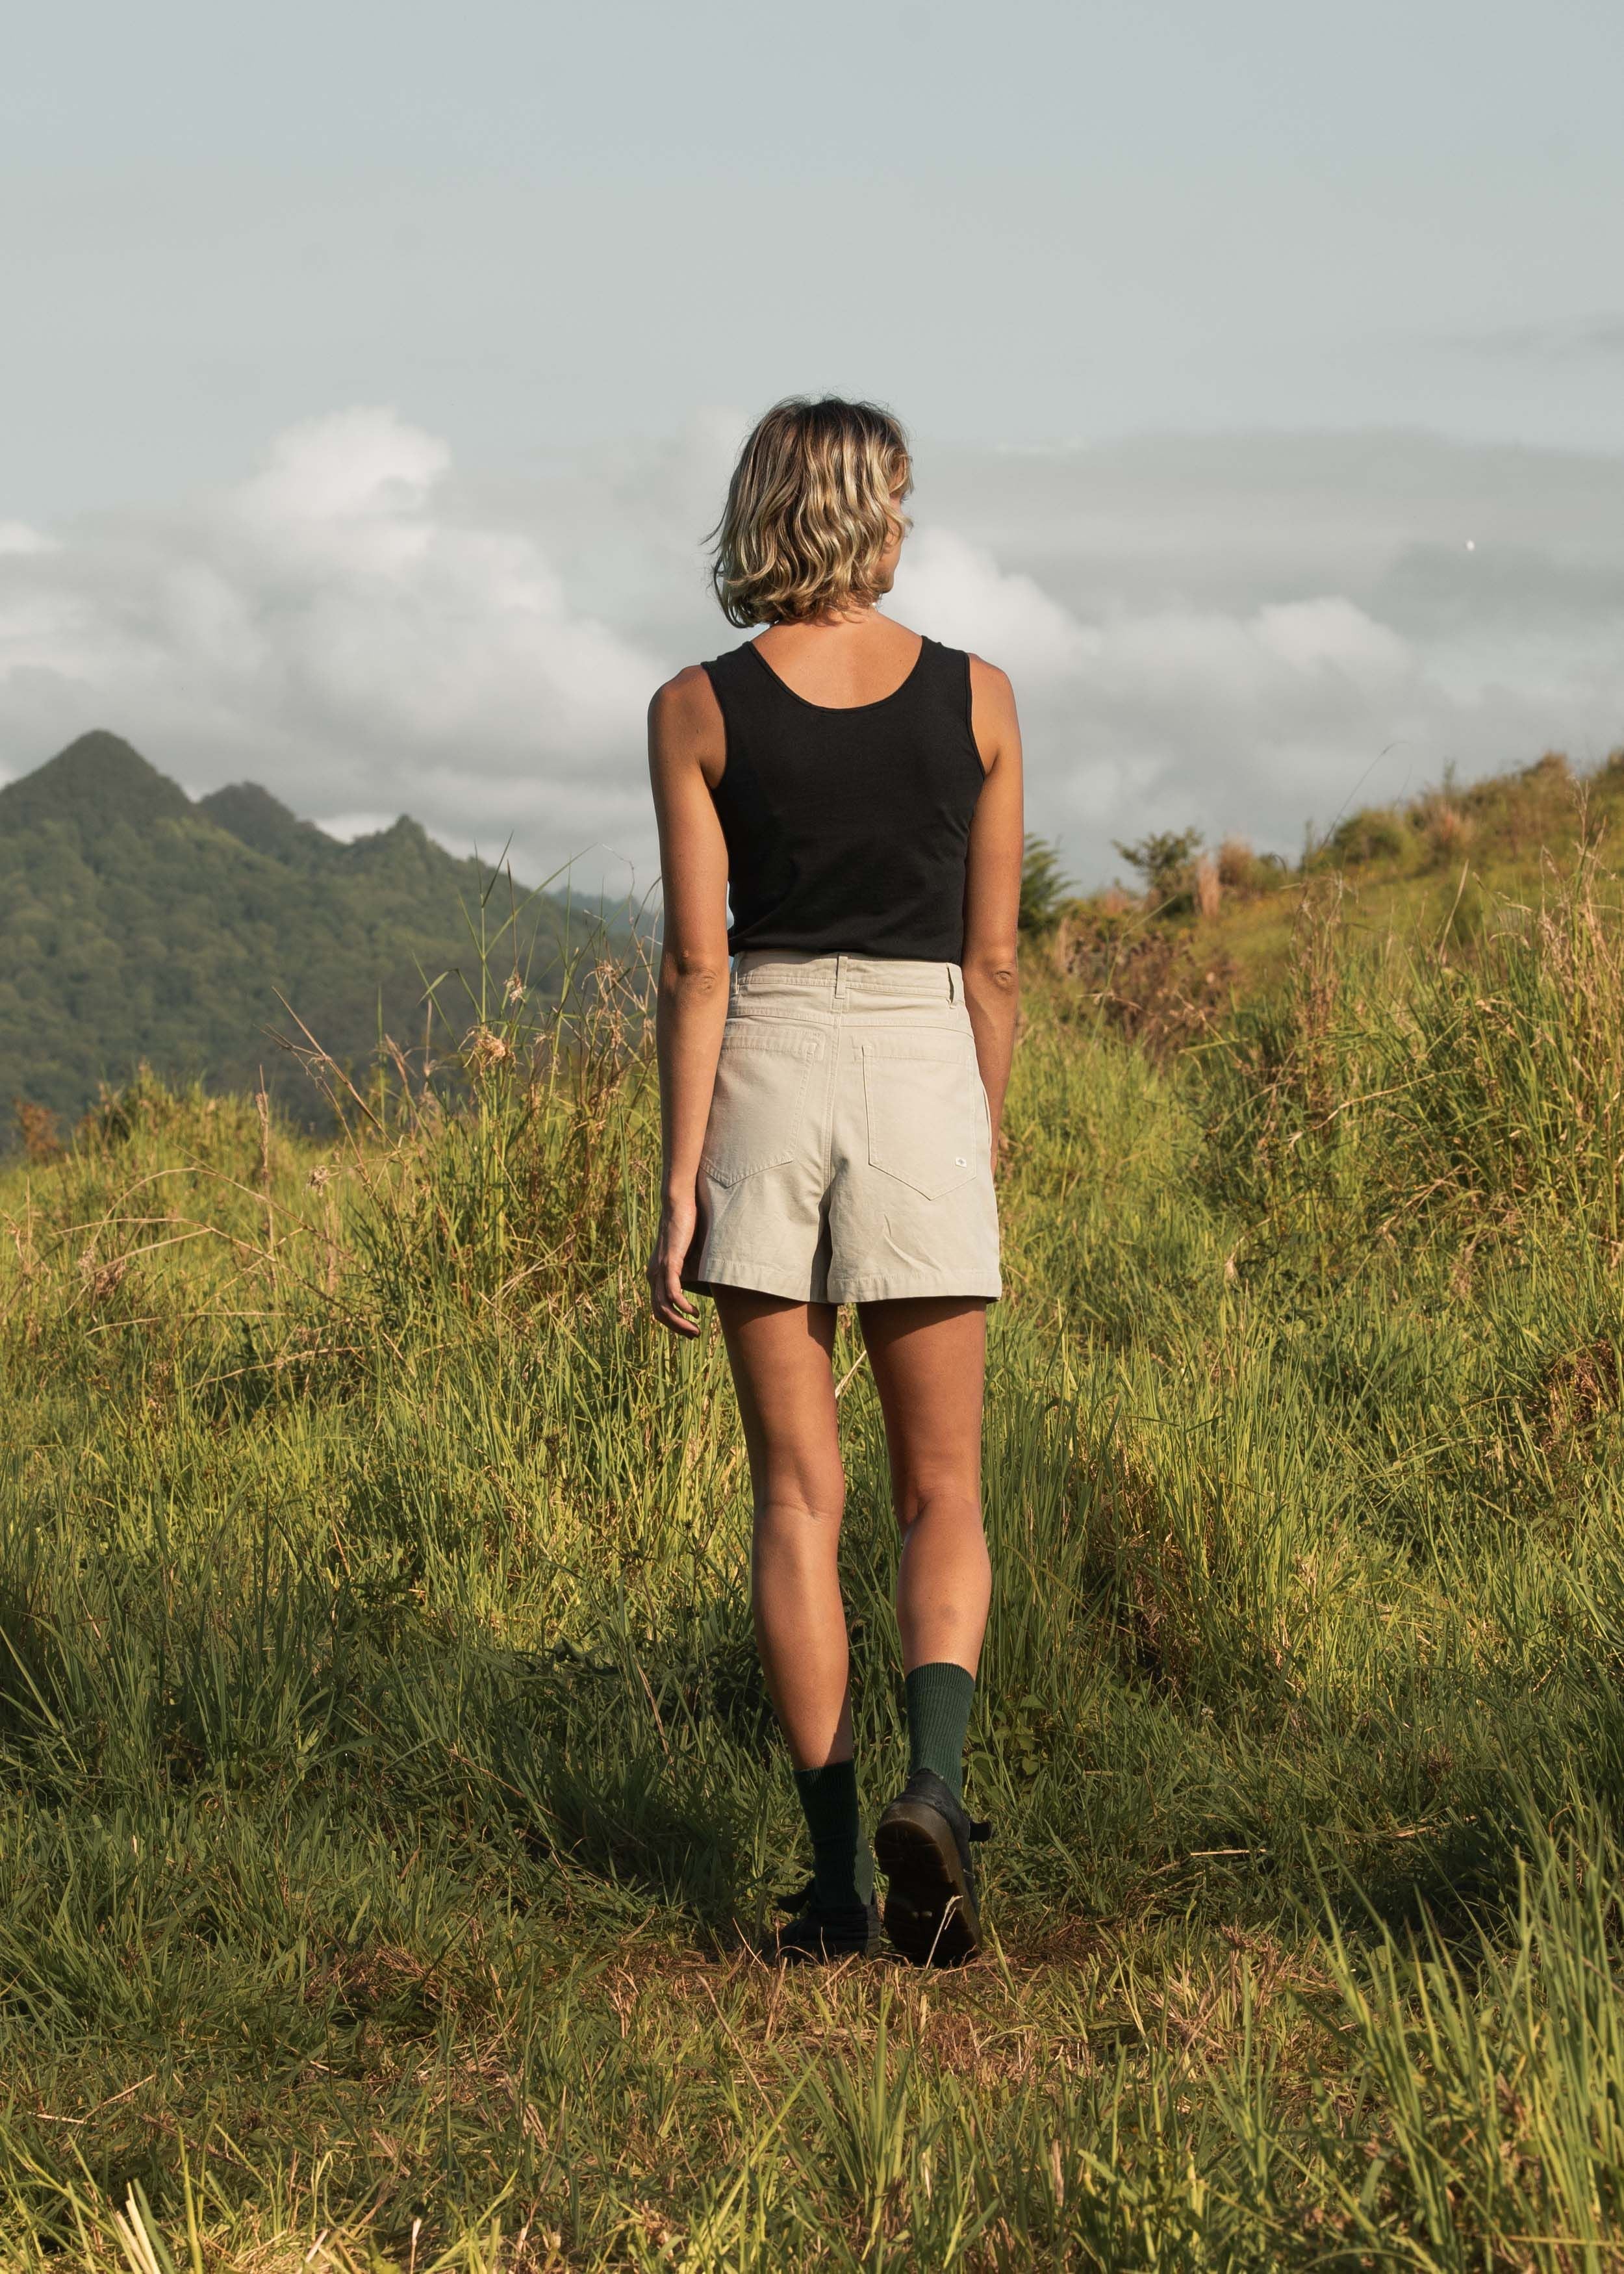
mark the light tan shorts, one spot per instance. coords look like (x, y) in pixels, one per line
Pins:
(848, 1158)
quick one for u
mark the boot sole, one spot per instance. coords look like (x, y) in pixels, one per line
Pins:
(931, 1913)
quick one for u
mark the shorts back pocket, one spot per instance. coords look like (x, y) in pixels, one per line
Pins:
(758, 1105)
(926, 1111)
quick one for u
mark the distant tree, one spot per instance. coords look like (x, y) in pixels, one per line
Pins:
(1162, 858)
(1042, 886)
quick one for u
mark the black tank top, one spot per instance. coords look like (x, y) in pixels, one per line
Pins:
(848, 830)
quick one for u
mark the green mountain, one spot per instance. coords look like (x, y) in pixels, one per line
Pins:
(137, 925)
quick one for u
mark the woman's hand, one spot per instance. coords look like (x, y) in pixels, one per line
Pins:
(674, 1307)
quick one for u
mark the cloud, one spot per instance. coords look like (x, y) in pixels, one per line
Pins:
(1561, 341)
(956, 592)
(17, 537)
(1236, 633)
(1255, 719)
(334, 627)
(1284, 659)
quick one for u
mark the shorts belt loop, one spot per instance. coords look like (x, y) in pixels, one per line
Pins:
(953, 991)
(843, 973)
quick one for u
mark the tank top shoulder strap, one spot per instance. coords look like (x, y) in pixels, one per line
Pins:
(940, 690)
(945, 671)
(730, 670)
(742, 687)
(736, 682)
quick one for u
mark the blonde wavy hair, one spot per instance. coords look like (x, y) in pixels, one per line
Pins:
(809, 511)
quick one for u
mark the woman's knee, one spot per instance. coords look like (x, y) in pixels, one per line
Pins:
(811, 1507)
(956, 1501)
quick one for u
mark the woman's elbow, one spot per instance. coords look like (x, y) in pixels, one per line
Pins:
(692, 975)
(995, 969)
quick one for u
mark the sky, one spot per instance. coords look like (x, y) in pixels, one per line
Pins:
(373, 374)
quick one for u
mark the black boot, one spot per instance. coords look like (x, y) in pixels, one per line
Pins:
(922, 1843)
(819, 1934)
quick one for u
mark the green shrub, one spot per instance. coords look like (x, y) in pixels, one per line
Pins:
(1162, 860)
(1374, 833)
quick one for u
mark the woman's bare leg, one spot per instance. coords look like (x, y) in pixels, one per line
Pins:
(780, 1355)
(929, 1358)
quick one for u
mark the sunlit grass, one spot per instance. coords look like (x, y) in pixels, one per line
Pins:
(387, 1795)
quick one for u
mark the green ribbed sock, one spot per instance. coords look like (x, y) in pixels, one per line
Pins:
(939, 1701)
(842, 1868)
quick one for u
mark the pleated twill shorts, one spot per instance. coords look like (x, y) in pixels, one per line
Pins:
(848, 1158)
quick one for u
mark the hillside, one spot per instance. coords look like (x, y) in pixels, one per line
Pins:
(389, 1798)
(1204, 928)
(136, 925)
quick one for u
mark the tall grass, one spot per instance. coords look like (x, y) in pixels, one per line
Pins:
(1487, 1078)
(388, 1793)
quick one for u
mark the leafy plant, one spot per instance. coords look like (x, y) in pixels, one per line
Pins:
(1373, 834)
(1162, 859)
(1043, 888)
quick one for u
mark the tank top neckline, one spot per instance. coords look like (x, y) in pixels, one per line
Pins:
(842, 709)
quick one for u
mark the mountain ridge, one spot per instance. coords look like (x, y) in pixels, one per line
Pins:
(138, 925)
(96, 781)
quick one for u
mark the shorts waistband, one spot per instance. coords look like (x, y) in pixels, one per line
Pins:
(838, 978)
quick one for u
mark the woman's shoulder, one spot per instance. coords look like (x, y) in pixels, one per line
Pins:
(684, 715)
(698, 685)
(962, 668)
(988, 679)
(985, 678)
(732, 662)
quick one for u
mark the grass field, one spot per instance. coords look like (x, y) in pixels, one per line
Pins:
(386, 1790)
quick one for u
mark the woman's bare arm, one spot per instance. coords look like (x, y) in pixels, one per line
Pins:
(687, 752)
(992, 886)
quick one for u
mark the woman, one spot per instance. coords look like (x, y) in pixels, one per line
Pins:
(830, 1116)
